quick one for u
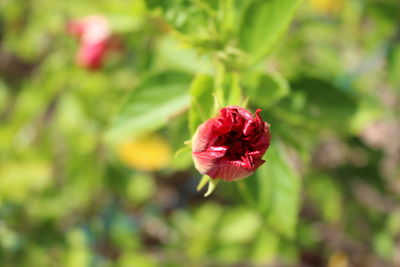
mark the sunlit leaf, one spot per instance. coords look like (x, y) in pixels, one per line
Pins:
(202, 102)
(276, 189)
(263, 23)
(266, 89)
(151, 105)
(238, 225)
(265, 247)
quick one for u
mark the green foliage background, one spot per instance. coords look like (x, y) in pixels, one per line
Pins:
(326, 80)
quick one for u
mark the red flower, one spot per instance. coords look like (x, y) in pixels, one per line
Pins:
(231, 145)
(95, 37)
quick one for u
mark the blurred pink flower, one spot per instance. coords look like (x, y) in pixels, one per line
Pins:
(95, 38)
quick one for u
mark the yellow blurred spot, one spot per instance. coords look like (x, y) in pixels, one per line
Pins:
(338, 259)
(327, 6)
(149, 153)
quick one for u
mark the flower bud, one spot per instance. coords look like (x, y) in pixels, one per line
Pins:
(95, 39)
(231, 145)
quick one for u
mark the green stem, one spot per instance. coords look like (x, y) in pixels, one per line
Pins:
(235, 97)
(219, 82)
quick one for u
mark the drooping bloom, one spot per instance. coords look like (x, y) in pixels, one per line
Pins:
(95, 39)
(231, 145)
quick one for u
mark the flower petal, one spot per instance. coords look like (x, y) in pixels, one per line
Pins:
(205, 160)
(233, 170)
(203, 135)
(230, 146)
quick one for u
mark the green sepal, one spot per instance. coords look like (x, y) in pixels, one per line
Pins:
(212, 184)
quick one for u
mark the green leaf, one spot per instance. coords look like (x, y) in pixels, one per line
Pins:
(20, 179)
(238, 226)
(140, 188)
(321, 100)
(174, 54)
(266, 246)
(263, 23)
(234, 91)
(179, 138)
(326, 196)
(276, 187)
(267, 89)
(124, 23)
(202, 101)
(151, 105)
(394, 65)
(384, 244)
(284, 186)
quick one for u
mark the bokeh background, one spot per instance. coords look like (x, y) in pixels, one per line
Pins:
(88, 175)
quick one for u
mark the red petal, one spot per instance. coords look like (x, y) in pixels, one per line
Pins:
(233, 170)
(203, 135)
(205, 160)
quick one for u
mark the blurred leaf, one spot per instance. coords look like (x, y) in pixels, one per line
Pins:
(202, 103)
(263, 23)
(198, 230)
(368, 111)
(238, 226)
(276, 187)
(229, 254)
(178, 136)
(140, 188)
(9, 239)
(19, 179)
(307, 235)
(394, 65)
(177, 132)
(123, 232)
(136, 259)
(385, 10)
(266, 246)
(4, 96)
(326, 196)
(316, 102)
(125, 24)
(173, 55)
(266, 89)
(393, 222)
(234, 91)
(151, 105)
(78, 254)
(384, 244)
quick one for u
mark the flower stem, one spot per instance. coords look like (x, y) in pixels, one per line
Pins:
(219, 82)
